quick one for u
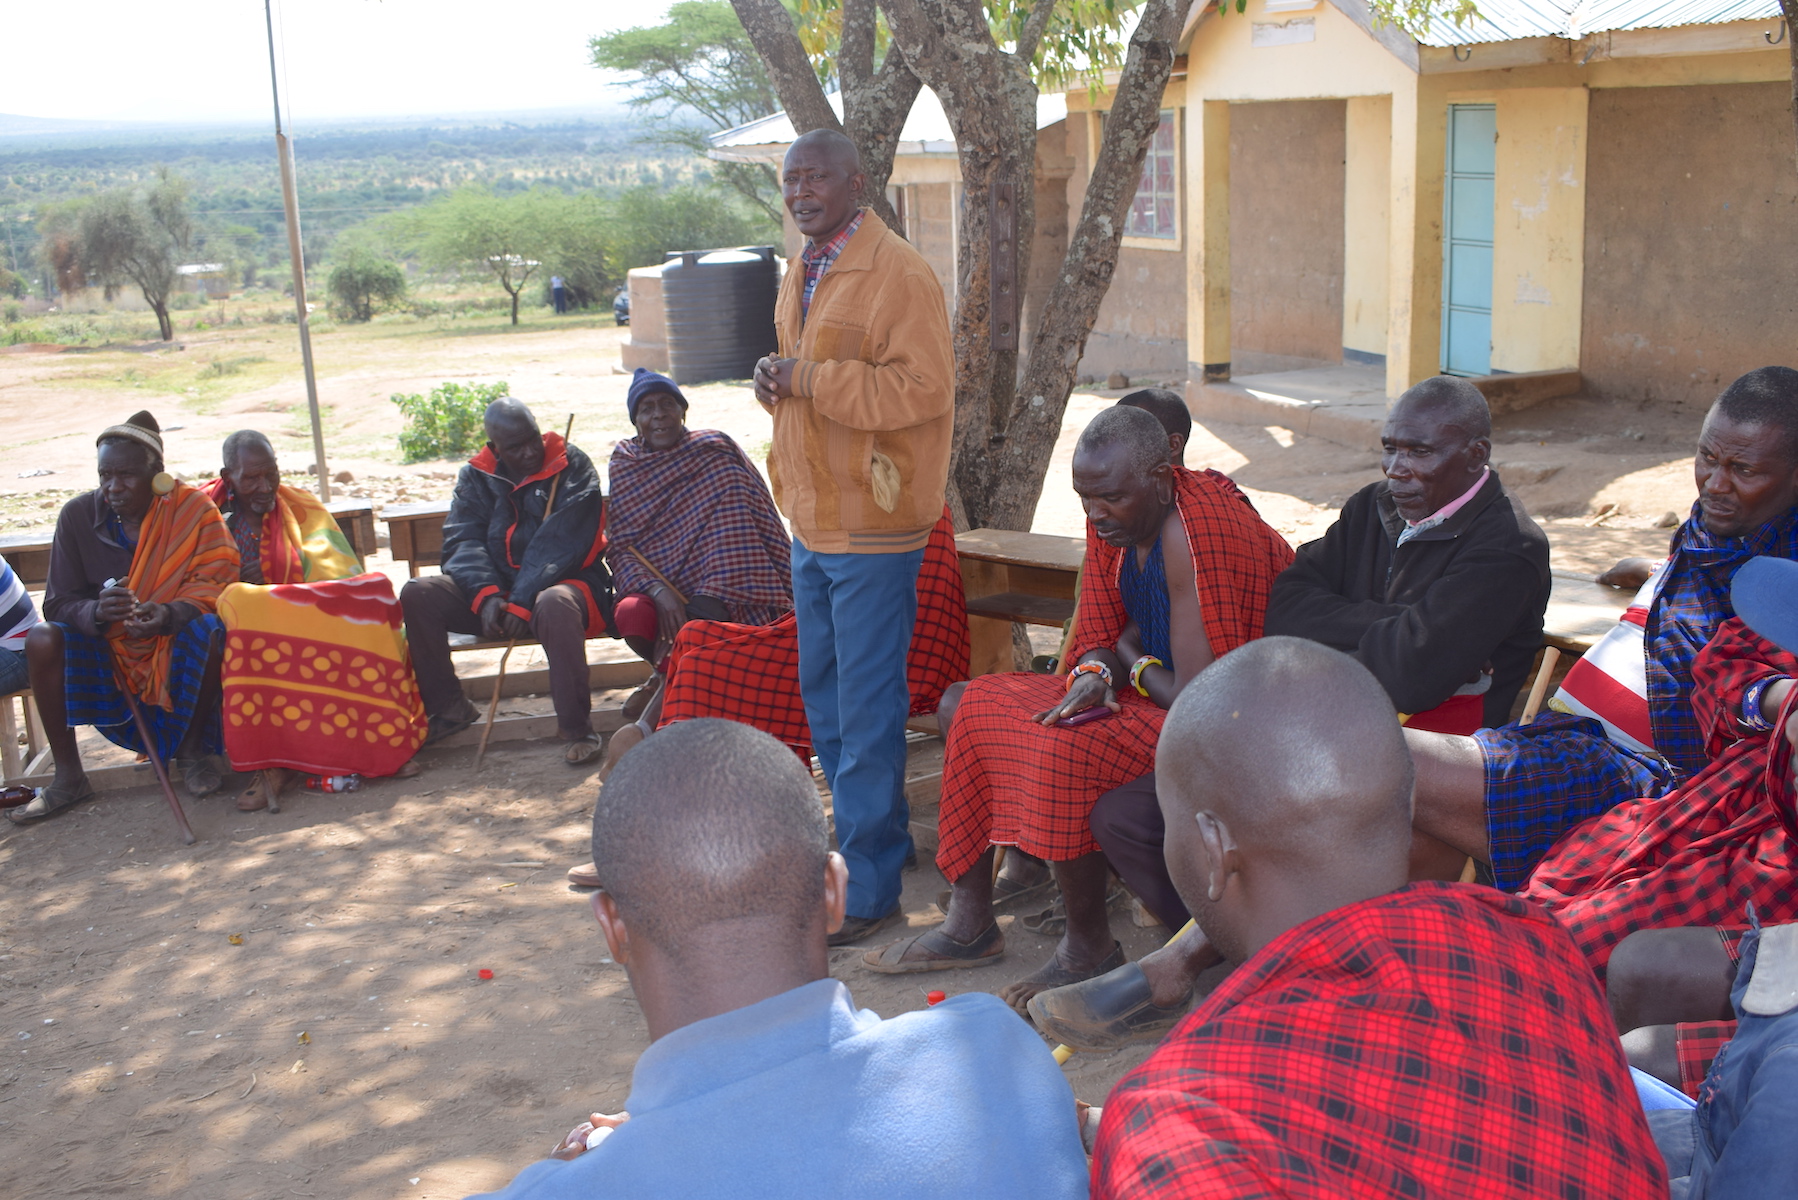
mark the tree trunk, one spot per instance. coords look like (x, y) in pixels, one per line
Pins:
(163, 323)
(515, 302)
(1019, 457)
(1002, 441)
(990, 101)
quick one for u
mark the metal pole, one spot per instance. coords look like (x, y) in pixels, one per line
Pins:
(290, 202)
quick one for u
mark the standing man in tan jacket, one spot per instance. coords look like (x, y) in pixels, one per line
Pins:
(863, 399)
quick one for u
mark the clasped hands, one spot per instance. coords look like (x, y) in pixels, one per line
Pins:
(774, 379)
(119, 603)
(498, 624)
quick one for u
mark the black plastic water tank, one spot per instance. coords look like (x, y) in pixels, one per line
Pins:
(720, 311)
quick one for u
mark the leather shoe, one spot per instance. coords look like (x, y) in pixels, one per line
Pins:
(1106, 1012)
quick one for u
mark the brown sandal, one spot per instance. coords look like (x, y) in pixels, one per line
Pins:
(581, 750)
(944, 953)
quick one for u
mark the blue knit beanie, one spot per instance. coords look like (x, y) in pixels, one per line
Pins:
(643, 383)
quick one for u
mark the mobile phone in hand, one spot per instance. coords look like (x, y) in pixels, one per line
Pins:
(1097, 712)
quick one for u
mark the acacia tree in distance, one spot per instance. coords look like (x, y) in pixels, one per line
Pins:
(137, 236)
(478, 233)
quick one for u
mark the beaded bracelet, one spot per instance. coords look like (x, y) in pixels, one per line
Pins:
(1089, 668)
(1136, 671)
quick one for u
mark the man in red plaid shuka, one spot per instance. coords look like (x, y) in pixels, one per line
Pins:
(1702, 853)
(1178, 570)
(1378, 1039)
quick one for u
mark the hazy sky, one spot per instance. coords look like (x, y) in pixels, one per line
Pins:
(185, 60)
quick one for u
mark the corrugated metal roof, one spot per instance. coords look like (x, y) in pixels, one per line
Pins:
(926, 129)
(1503, 20)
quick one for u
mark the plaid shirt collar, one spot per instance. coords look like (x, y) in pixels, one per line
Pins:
(818, 258)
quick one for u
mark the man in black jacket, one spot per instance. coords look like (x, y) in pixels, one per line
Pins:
(510, 573)
(1435, 578)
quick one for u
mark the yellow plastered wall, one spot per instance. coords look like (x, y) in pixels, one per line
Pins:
(1539, 229)
(1365, 223)
(1224, 67)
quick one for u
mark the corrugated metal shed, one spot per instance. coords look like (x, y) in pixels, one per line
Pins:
(1503, 20)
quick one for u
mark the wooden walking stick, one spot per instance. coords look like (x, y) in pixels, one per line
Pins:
(162, 772)
(1532, 706)
(499, 680)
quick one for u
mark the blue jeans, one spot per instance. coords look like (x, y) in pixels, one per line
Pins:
(1738, 1144)
(13, 675)
(855, 615)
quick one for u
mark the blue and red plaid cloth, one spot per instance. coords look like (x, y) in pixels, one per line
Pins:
(701, 515)
(818, 259)
(1544, 778)
(91, 692)
(1699, 855)
(1443, 1040)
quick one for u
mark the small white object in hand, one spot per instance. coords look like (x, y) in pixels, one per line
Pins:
(598, 1135)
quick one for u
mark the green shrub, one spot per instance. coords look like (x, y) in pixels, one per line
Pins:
(12, 312)
(363, 283)
(447, 423)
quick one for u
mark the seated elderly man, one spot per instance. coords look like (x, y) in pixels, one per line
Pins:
(762, 1078)
(514, 567)
(136, 568)
(1178, 567)
(691, 531)
(1378, 1038)
(1435, 579)
(1623, 725)
(336, 695)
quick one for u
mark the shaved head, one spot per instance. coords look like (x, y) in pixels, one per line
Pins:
(508, 413)
(1281, 771)
(708, 822)
(245, 439)
(835, 146)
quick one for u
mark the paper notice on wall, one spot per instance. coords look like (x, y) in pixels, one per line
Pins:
(1283, 33)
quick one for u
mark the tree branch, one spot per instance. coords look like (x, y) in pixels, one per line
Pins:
(770, 28)
(1032, 34)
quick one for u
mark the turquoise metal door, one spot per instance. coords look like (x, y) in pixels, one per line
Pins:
(1467, 239)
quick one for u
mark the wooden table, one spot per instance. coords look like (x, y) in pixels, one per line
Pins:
(1580, 611)
(356, 520)
(1011, 576)
(415, 534)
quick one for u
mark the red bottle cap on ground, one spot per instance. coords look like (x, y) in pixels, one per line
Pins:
(484, 973)
(935, 998)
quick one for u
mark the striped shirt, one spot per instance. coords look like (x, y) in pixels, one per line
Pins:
(817, 259)
(17, 615)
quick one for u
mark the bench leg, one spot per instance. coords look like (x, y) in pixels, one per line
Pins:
(10, 763)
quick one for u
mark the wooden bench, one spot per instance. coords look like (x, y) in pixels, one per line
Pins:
(356, 519)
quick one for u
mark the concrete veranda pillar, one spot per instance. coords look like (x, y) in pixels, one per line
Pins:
(1208, 242)
(1414, 291)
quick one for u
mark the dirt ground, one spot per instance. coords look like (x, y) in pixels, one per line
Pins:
(346, 1046)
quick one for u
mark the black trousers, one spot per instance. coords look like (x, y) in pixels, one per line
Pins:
(1127, 823)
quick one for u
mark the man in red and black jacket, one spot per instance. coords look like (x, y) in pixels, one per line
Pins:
(508, 572)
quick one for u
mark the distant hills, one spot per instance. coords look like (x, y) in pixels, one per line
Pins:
(19, 131)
